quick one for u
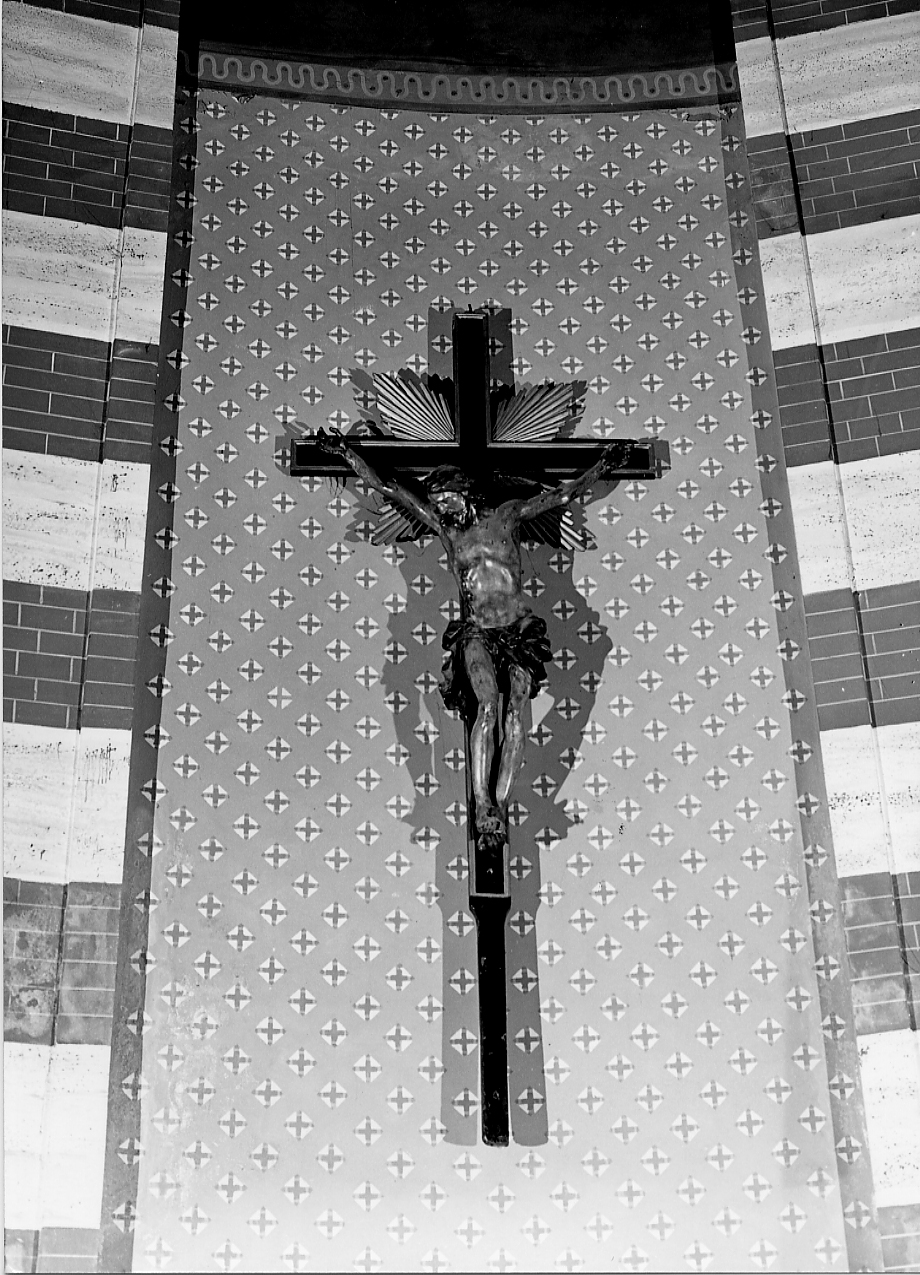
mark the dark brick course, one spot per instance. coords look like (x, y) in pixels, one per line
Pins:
(69, 657)
(127, 12)
(802, 405)
(876, 950)
(71, 396)
(58, 165)
(60, 944)
(85, 169)
(43, 639)
(87, 988)
(32, 920)
(874, 389)
(899, 1225)
(131, 397)
(749, 19)
(162, 13)
(20, 1250)
(149, 174)
(836, 659)
(873, 677)
(67, 1248)
(872, 398)
(846, 175)
(771, 185)
(53, 392)
(854, 173)
(795, 17)
(891, 625)
(111, 657)
(908, 886)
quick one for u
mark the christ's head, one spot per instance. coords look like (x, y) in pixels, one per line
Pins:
(453, 494)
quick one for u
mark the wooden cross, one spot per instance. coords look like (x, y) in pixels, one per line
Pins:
(474, 449)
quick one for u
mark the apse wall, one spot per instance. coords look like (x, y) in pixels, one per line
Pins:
(844, 343)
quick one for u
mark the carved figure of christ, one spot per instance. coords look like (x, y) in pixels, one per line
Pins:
(499, 643)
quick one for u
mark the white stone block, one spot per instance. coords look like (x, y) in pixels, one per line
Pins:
(853, 72)
(58, 275)
(890, 1067)
(866, 278)
(140, 290)
(899, 747)
(782, 262)
(854, 797)
(25, 1088)
(38, 778)
(97, 835)
(122, 518)
(53, 505)
(61, 62)
(73, 1155)
(882, 501)
(48, 509)
(819, 536)
(156, 84)
(759, 87)
(64, 803)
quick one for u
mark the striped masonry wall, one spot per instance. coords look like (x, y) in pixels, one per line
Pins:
(831, 98)
(87, 152)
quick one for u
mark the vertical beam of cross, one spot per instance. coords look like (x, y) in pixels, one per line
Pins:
(490, 892)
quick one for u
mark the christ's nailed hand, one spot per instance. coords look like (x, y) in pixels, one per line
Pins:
(612, 455)
(334, 444)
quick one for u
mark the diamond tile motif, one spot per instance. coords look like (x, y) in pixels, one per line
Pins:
(309, 1086)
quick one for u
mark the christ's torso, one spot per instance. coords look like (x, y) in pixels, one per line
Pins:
(485, 560)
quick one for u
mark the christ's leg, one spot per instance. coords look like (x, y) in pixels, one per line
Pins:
(513, 747)
(481, 672)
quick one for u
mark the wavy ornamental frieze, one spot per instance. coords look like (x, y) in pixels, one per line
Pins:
(686, 85)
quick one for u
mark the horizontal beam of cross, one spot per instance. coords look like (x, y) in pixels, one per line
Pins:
(554, 460)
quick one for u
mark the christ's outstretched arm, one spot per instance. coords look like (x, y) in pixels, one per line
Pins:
(565, 493)
(335, 445)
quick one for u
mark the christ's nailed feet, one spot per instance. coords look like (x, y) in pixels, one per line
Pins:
(491, 830)
(491, 823)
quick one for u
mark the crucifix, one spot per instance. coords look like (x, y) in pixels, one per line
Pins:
(482, 467)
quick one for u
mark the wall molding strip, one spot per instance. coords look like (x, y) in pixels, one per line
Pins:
(422, 90)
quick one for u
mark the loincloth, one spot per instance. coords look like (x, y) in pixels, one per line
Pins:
(523, 643)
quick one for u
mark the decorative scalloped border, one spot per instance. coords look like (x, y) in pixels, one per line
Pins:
(684, 86)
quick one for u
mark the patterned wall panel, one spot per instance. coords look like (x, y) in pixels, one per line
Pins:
(306, 1094)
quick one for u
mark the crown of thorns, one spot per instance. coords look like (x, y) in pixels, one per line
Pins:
(449, 478)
